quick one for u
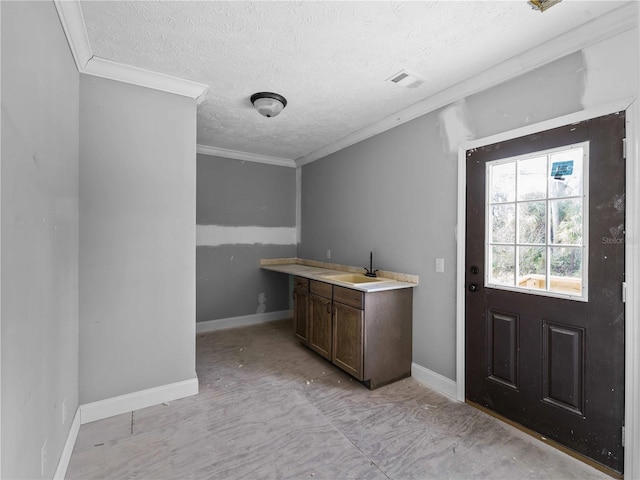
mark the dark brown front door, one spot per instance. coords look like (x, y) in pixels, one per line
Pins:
(544, 273)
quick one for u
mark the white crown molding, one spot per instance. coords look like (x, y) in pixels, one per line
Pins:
(104, 68)
(70, 14)
(249, 157)
(597, 30)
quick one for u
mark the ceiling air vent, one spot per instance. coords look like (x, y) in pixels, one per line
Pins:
(406, 79)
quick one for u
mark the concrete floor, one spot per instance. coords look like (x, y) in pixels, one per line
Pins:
(270, 408)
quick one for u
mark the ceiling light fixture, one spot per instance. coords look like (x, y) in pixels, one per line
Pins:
(268, 104)
(543, 5)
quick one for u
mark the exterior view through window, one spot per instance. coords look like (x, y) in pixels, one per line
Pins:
(536, 225)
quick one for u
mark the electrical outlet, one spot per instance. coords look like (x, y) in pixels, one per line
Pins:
(328, 254)
(43, 457)
(64, 410)
(439, 265)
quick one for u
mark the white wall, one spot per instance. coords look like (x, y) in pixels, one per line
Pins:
(137, 238)
(39, 256)
(109, 239)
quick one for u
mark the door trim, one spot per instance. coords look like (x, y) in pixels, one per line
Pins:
(632, 261)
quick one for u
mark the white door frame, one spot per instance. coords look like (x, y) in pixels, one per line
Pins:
(632, 262)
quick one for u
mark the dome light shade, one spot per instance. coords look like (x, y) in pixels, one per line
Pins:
(268, 104)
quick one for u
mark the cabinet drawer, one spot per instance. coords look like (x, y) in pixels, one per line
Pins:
(320, 288)
(348, 296)
(301, 284)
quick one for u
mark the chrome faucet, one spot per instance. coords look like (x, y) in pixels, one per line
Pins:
(370, 271)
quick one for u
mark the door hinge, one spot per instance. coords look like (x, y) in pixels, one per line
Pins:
(623, 432)
(624, 292)
(624, 148)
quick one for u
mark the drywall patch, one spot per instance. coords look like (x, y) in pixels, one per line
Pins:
(611, 70)
(216, 235)
(455, 126)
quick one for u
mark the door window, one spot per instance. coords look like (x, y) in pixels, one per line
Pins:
(536, 222)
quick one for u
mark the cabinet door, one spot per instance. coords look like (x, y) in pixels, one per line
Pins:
(300, 315)
(348, 339)
(320, 325)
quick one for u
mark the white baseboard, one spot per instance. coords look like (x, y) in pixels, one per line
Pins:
(434, 380)
(65, 457)
(90, 412)
(213, 325)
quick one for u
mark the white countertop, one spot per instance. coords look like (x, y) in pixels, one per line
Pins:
(321, 274)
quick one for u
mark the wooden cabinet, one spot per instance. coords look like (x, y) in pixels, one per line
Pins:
(320, 318)
(366, 334)
(348, 339)
(301, 309)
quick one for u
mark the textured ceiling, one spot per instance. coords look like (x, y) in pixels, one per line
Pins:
(329, 59)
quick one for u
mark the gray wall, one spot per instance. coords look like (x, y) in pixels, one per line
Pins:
(137, 237)
(39, 257)
(256, 197)
(393, 194)
(396, 193)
